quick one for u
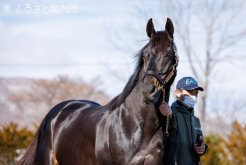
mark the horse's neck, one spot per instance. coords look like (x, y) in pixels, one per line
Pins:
(135, 105)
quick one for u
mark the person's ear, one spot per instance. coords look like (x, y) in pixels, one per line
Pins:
(178, 93)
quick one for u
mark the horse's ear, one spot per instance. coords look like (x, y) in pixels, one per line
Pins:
(150, 28)
(169, 27)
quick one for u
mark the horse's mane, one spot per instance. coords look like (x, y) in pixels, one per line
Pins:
(160, 37)
(119, 99)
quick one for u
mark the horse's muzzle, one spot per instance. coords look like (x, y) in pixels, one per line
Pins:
(151, 89)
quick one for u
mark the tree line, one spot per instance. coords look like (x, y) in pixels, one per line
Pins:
(223, 150)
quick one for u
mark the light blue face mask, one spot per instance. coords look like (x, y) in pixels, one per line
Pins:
(190, 101)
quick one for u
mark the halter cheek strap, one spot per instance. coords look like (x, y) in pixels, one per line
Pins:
(174, 68)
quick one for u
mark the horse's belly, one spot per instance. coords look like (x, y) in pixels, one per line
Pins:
(75, 150)
(74, 144)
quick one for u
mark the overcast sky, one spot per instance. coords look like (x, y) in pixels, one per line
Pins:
(38, 44)
(75, 42)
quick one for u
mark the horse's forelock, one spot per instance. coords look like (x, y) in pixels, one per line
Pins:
(161, 40)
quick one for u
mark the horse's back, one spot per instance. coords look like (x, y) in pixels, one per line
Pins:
(64, 131)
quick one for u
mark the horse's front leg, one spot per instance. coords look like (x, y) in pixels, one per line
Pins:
(138, 159)
(154, 158)
(155, 151)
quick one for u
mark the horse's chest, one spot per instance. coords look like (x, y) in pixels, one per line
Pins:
(122, 149)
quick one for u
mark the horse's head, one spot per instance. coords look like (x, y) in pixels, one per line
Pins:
(160, 61)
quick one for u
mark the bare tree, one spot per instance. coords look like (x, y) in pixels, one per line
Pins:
(219, 31)
(207, 32)
(44, 94)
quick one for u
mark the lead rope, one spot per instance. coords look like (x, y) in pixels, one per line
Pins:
(167, 125)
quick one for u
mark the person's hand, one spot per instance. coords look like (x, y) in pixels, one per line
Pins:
(199, 149)
(166, 110)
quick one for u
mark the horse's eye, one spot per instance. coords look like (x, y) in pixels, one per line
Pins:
(170, 54)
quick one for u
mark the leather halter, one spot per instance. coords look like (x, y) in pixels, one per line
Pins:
(164, 78)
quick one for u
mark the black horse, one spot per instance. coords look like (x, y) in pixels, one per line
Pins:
(128, 130)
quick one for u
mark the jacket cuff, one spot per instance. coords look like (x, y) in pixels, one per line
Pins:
(206, 147)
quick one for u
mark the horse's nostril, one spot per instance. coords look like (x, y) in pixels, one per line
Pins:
(153, 89)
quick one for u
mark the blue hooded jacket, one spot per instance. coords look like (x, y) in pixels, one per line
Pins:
(180, 143)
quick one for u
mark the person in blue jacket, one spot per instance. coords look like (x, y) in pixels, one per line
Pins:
(185, 143)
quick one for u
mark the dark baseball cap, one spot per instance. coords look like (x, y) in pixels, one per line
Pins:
(188, 83)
